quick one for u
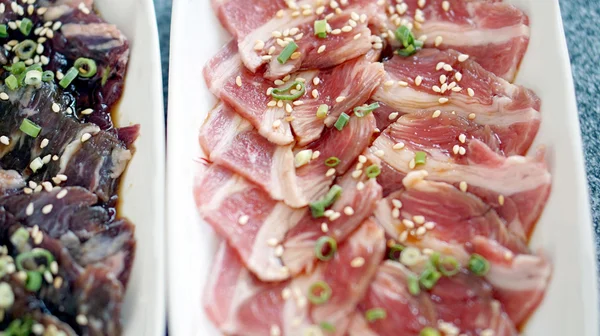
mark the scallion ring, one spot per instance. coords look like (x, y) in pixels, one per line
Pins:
(68, 78)
(448, 266)
(410, 256)
(479, 265)
(12, 82)
(283, 93)
(30, 128)
(25, 50)
(86, 67)
(332, 162)
(429, 277)
(361, 111)
(413, 285)
(373, 171)
(375, 314)
(429, 331)
(287, 52)
(317, 208)
(327, 327)
(329, 245)
(25, 26)
(19, 238)
(420, 158)
(342, 121)
(33, 77)
(32, 255)
(47, 76)
(395, 251)
(34, 281)
(319, 293)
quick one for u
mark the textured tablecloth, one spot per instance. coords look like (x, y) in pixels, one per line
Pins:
(582, 26)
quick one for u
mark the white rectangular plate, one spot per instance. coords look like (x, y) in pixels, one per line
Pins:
(564, 231)
(142, 187)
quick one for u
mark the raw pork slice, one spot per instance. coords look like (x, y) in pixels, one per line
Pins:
(462, 304)
(516, 187)
(273, 240)
(434, 80)
(232, 142)
(250, 95)
(239, 304)
(492, 33)
(264, 29)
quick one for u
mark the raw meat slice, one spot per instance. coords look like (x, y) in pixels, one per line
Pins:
(515, 187)
(438, 216)
(232, 142)
(252, 100)
(274, 240)
(510, 111)
(263, 30)
(492, 33)
(462, 304)
(240, 304)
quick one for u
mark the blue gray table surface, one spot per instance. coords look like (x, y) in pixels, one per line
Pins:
(582, 27)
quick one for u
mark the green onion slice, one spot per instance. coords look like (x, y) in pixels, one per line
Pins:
(361, 111)
(68, 78)
(25, 50)
(342, 121)
(317, 208)
(30, 128)
(47, 76)
(408, 51)
(332, 162)
(429, 277)
(287, 52)
(327, 327)
(26, 26)
(375, 314)
(420, 158)
(448, 266)
(479, 265)
(404, 36)
(12, 82)
(319, 293)
(105, 74)
(395, 252)
(3, 31)
(19, 238)
(33, 77)
(413, 285)
(322, 111)
(19, 328)
(373, 171)
(429, 331)
(16, 68)
(329, 245)
(32, 255)
(321, 28)
(86, 67)
(34, 281)
(284, 93)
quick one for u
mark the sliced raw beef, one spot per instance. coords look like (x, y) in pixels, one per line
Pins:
(263, 30)
(232, 142)
(516, 187)
(274, 240)
(239, 304)
(434, 80)
(250, 95)
(461, 304)
(490, 32)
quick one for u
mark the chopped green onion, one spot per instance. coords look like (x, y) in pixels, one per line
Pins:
(321, 28)
(330, 246)
(375, 314)
(280, 93)
(479, 265)
(48, 76)
(7, 297)
(420, 158)
(429, 331)
(418, 44)
(25, 26)
(429, 277)
(317, 208)
(105, 74)
(373, 171)
(287, 52)
(30, 128)
(410, 256)
(322, 111)
(19, 238)
(332, 161)
(395, 251)
(319, 293)
(19, 328)
(326, 326)
(448, 266)
(404, 36)
(3, 31)
(342, 121)
(35, 66)
(408, 51)
(16, 68)
(33, 77)
(413, 285)
(25, 50)
(86, 67)
(12, 82)
(34, 281)
(68, 78)
(361, 111)
(36, 164)
(32, 256)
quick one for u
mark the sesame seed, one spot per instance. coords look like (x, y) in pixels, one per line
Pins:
(44, 143)
(85, 137)
(37, 189)
(402, 237)
(315, 93)
(321, 49)
(87, 111)
(360, 186)
(419, 219)
(266, 57)
(412, 164)
(81, 319)
(487, 332)
(462, 151)
(238, 81)
(408, 223)
(379, 153)
(357, 36)
(463, 186)
(429, 225)
(501, 199)
(5, 140)
(472, 116)
(276, 123)
(288, 108)
(421, 231)
(37, 329)
(330, 172)
(439, 66)
(455, 149)
(357, 262)
(443, 79)
(445, 5)
(296, 55)
(29, 209)
(3, 96)
(421, 3)
(448, 67)
(272, 103)
(54, 267)
(436, 113)
(27, 191)
(47, 186)
(356, 174)
(316, 81)
(438, 40)
(398, 146)
(55, 107)
(458, 76)
(388, 83)
(55, 158)
(443, 100)
(336, 31)
(47, 209)
(436, 88)
(349, 211)
(418, 80)
(335, 216)
(470, 92)
(403, 83)
(324, 227)
(397, 203)
(393, 115)
(340, 99)
(243, 220)
(463, 57)
(462, 138)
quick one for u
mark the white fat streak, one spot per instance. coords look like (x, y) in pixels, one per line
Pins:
(455, 35)
(119, 157)
(235, 126)
(234, 185)
(284, 181)
(226, 69)
(75, 145)
(383, 216)
(282, 135)
(55, 12)
(506, 181)
(527, 272)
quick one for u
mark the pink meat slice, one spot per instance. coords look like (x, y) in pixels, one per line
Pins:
(463, 304)
(477, 95)
(274, 240)
(450, 218)
(492, 33)
(232, 142)
(516, 187)
(328, 86)
(262, 30)
(239, 304)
